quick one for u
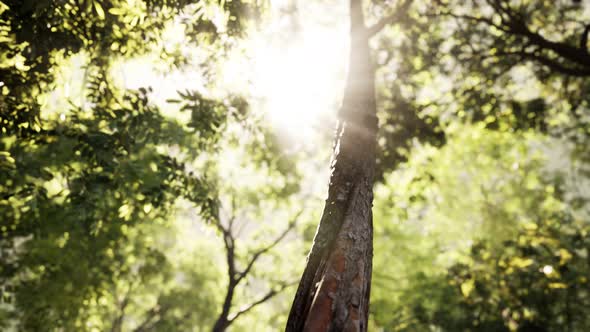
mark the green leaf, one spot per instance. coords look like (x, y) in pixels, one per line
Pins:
(99, 10)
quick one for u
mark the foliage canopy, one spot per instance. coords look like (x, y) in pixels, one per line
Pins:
(124, 213)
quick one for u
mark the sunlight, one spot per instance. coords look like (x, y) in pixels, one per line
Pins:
(299, 84)
(140, 72)
(292, 69)
(296, 72)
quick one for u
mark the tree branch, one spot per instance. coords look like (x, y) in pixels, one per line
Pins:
(482, 19)
(550, 63)
(271, 293)
(578, 72)
(514, 23)
(117, 323)
(154, 312)
(228, 241)
(498, 6)
(263, 250)
(383, 22)
(517, 25)
(234, 277)
(584, 39)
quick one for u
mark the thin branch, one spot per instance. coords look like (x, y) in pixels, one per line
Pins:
(270, 294)
(550, 63)
(482, 19)
(229, 243)
(231, 217)
(577, 72)
(263, 250)
(118, 321)
(396, 16)
(498, 6)
(154, 312)
(584, 39)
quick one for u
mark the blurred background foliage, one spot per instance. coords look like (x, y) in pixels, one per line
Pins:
(124, 208)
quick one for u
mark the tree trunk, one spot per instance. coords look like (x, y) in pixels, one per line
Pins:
(333, 294)
(223, 322)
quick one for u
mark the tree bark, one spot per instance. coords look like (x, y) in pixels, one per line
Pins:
(333, 294)
(223, 321)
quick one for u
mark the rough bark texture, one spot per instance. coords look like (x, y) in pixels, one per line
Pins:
(333, 294)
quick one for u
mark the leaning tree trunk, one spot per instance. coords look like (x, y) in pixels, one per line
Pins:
(333, 294)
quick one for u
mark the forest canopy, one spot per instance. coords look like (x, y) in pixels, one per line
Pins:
(164, 165)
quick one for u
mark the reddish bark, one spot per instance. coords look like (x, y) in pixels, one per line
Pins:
(333, 294)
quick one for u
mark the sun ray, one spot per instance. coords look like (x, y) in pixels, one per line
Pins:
(295, 73)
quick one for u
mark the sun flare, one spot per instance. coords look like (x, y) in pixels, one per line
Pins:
(295, 73)
(291, 69)
(298, 84)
